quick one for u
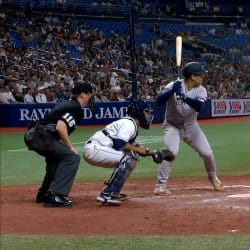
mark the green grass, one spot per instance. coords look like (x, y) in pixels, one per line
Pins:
(232, 242)
(230, 143)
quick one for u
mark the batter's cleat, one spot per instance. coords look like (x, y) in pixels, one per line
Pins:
(53, 200)
(108, 198)
(161, 190)
(218, 186)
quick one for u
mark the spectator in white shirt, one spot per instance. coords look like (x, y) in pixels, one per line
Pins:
(28, 97)
(114, 83)
(6, 95)
(40, 97)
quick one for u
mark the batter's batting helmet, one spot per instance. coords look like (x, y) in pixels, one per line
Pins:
(193, 68)
(137, 109)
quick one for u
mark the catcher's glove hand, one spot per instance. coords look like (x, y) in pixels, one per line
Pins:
(162, 154)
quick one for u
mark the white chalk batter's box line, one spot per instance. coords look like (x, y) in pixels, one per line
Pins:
(237, 195)
(206, 187)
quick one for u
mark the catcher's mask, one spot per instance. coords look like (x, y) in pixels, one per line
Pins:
(142, 111)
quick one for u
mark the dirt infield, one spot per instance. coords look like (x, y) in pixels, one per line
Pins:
(193, 208)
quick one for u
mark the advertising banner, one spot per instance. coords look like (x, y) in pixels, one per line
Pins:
(230, 107)
(20, 115)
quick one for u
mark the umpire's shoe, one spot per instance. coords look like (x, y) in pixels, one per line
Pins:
(41, 196)
(53, 200)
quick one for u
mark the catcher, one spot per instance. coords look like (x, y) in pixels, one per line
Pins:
(115, 147)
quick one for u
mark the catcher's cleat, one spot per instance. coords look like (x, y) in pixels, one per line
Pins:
(218, 186)
(123, 197)
(120, 196)
(108, 198)
(161, 190)
(53, 200)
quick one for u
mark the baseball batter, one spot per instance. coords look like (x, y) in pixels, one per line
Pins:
(184, 99)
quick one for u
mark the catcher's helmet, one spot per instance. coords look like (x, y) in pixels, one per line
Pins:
(137, 109)
(193, 68)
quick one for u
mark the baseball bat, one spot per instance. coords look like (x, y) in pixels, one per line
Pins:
(178, 54)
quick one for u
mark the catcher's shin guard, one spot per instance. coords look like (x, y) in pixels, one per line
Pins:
(120, 174)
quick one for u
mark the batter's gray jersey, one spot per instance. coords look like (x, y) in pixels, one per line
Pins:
(178, 112)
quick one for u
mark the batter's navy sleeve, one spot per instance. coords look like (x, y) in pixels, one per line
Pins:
(163, 97)
(195, 104)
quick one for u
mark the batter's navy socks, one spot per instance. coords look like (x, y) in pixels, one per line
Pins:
(53, 200)
(108, 198)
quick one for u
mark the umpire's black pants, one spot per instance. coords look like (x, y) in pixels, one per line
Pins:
(61, 167)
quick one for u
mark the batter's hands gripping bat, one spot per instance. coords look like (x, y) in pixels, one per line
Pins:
(178, 54)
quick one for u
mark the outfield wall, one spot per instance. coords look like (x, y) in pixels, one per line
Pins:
(19, 115)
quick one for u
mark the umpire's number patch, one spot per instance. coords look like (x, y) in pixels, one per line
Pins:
(70, 120)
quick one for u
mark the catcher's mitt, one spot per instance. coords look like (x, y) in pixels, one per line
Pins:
(162, 154)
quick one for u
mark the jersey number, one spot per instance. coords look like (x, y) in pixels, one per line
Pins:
(69, 119)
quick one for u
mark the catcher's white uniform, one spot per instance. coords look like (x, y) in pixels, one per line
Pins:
(99, 149)
(115, 147)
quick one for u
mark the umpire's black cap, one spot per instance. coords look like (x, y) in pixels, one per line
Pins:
(82, 87)
(193, 68)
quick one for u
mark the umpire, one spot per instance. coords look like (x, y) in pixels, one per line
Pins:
(62, 161)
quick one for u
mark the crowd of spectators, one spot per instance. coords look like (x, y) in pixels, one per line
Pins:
(46, 72)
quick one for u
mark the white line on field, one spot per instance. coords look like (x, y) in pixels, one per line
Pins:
(237, 186)
(239, 196)
(141, 140)
(17, 150)
(25, 149)
(206, 187)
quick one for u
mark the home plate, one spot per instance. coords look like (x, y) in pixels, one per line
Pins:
(239, 196)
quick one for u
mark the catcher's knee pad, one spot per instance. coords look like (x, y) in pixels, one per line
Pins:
(129, 161)
(120, 174)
